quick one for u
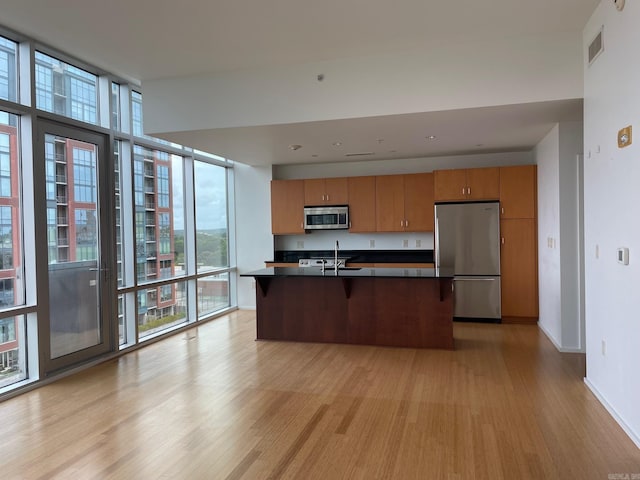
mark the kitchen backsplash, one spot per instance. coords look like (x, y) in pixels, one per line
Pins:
(325, 240)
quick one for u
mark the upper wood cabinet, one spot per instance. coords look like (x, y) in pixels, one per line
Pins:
(518, 188)
(404, 203)
(467, 184)
(326, 191)
(362, 203)
(418, 202)
(287, 207)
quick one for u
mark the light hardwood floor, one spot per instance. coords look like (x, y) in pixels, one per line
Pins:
(212, 403)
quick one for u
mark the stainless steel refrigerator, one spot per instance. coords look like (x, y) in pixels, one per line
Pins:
(467, 240)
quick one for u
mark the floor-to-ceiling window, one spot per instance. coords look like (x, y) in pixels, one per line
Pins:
(13, 366)
(144, 220)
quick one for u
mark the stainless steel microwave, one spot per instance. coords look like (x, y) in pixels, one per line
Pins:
(326, 218)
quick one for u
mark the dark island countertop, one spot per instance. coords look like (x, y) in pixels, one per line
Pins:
(276, 272)
(357, 256)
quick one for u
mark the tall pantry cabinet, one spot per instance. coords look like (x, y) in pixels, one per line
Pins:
(518, 254)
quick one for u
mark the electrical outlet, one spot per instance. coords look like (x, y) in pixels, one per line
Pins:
(405, 243)
(604, 347)
(372, 243)
(418, 243)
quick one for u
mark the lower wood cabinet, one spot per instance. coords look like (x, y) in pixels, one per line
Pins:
(519, 269)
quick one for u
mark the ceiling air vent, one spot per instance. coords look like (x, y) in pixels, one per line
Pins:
(359, 154)
(596, 47)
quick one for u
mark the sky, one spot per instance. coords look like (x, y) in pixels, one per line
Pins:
(211, 195)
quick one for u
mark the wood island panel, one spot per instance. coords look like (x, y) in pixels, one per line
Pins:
(400, 312)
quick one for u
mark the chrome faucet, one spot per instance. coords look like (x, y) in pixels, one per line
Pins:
(336, 263)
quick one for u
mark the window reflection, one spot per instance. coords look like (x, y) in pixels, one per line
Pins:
(66, 90)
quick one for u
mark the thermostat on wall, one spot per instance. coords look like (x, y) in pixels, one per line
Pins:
(623, 255)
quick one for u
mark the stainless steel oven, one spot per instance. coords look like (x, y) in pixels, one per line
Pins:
(326, 218)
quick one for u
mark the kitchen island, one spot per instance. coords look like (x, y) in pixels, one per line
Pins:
(402, 307)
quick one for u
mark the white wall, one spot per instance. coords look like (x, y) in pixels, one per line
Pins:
(559, 236)
(325, 240)
(571, 147)
(547, 157)
(254, 242)
(442, 76)
(612, 196)
(400, 166)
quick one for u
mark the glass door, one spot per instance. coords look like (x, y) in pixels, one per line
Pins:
(76, 292)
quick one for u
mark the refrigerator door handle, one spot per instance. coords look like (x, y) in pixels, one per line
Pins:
(474, 279)
(437, 242)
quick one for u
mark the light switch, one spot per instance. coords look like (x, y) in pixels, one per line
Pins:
(623, 255)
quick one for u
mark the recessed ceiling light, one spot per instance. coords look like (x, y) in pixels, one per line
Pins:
(430, 137)
(337, 144)
(380, 140)
(392, 151)
(479, 144)
(314, 155)
(295, 146)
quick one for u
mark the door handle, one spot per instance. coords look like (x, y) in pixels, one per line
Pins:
(474, 279)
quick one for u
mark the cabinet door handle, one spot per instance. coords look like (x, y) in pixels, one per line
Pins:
(502, 240)
(327, 197)
(462, 190)
(406, 223)
(502, 210)
(468, 190)
(402, 223)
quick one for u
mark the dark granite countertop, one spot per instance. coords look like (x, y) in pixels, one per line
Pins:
(358, 256)
(350, 272)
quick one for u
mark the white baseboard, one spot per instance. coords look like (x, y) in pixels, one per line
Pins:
(246, 307)
(635, 438)
(557, 345)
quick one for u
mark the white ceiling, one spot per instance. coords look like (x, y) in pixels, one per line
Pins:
(509, 128)
(148, 39)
